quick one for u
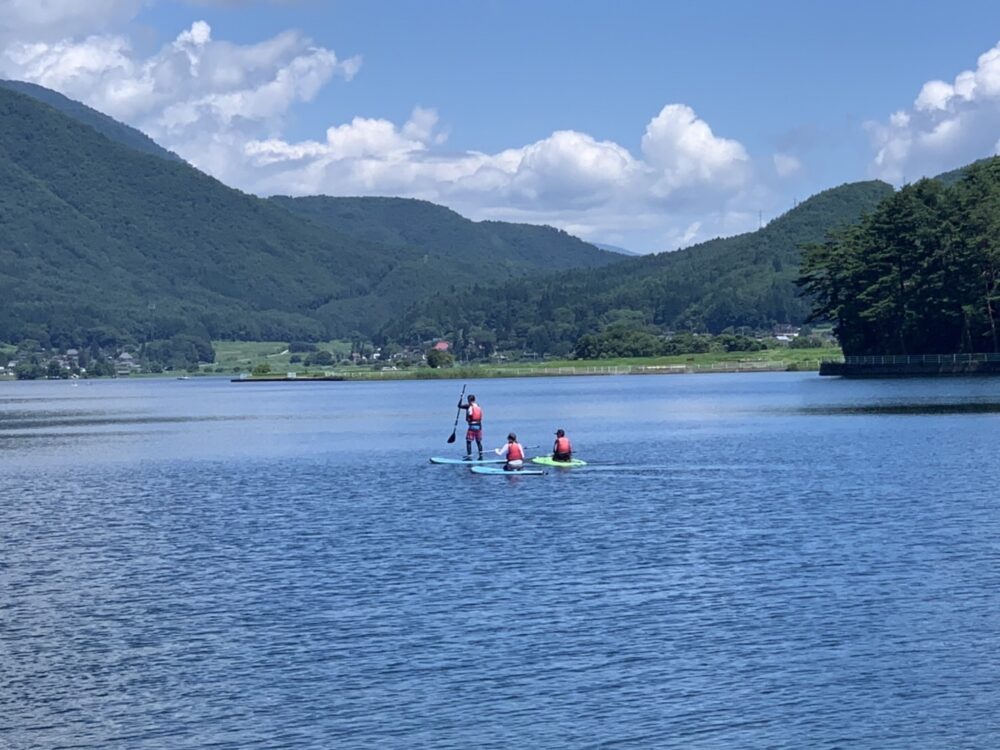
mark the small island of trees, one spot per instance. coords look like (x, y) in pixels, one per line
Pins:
(918, 275)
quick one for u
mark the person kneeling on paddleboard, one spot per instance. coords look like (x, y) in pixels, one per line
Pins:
(562, 450)
(513, 452)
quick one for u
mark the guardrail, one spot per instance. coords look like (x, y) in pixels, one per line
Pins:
(916, 359)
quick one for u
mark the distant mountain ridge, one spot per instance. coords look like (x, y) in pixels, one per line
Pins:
(497, 250)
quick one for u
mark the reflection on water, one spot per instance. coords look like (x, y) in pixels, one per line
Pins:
(191, 564)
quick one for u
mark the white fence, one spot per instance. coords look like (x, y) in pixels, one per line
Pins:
(917, 359)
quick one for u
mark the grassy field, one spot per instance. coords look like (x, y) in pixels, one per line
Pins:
(803, 358)
(243, 356)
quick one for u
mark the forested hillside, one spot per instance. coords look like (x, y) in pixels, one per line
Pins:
(748, 280)
(95, 234)
(101, 240)
(919, 275)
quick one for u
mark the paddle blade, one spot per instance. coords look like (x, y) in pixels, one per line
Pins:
(452, 438)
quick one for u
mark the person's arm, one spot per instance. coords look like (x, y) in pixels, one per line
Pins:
(503, 451)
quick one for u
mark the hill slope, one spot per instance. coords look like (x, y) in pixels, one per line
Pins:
(97, 234)
(106, 126)
(747, 280)
(93, 233)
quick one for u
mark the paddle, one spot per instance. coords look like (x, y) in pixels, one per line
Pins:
(452, 438)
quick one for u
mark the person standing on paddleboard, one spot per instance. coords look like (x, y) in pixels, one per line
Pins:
(562, 450)
(474, 422)
(513, 452)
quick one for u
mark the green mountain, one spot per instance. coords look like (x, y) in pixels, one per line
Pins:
(747, 280)
(106, 126)
(99, 238)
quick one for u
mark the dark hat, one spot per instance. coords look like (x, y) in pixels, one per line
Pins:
(560, 432)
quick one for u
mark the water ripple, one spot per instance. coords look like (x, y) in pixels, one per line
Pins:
(757, 578)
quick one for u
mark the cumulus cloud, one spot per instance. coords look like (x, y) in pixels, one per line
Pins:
(222, 106)
(686, 153)
(948, 125)
(192, 86)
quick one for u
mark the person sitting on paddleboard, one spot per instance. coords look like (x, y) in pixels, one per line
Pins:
(513, 452)
(562, 450)
(474, 420)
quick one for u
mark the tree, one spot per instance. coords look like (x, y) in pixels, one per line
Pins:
(438, 358)
(322, 358)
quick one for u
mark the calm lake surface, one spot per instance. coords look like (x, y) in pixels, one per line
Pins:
(765, 560)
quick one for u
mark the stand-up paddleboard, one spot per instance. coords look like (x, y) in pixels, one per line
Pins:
(549, 461)
(469, 461)
(498, 470)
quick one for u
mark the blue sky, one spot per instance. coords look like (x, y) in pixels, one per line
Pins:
(649, 125)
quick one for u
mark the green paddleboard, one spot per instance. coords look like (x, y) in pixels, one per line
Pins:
(547, 461)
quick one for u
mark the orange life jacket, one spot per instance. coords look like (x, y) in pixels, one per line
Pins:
(475, 415)
(515, 452)
(563, 446)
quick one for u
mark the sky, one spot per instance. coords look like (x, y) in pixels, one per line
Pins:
(643, 124)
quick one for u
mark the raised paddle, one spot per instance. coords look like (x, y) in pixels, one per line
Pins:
(452, 438)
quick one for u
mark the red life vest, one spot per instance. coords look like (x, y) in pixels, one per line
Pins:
(475, 415)
(563, 446)
(515, 452)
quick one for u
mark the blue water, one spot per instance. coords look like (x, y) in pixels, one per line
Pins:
(765, 560)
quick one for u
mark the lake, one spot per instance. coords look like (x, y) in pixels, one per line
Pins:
(765, 560)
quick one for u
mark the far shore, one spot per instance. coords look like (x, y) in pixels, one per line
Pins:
(770, 360)
(805, 360)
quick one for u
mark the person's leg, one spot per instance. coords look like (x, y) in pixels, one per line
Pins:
(479, 444)
(468, 448)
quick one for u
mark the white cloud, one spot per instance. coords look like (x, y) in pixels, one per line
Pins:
(948, 125)
(195, 84)
(687, 153)
(934, 95)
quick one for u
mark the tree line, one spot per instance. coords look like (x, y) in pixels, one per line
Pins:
(920, 274)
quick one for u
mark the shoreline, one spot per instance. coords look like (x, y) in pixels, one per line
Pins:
(239, 370)
(475, 373)
(463, 373)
